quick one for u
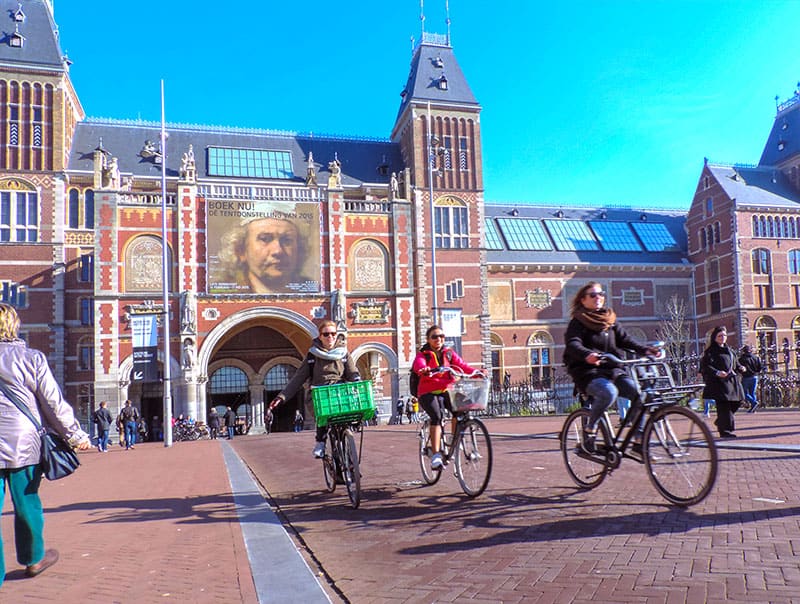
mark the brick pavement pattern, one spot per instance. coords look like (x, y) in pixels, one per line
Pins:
(535, 537)
(135, 527)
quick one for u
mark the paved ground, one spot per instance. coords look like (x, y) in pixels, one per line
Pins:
(156, 525)
(533, 537)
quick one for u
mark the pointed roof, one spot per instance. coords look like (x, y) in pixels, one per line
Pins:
(433, 58)
(40, 48)
(784, 138)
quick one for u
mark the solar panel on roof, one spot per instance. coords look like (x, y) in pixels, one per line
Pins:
(524, 234)
(493, 241)
(655, 236)
(615, 236)
(571, 235)
(249, 163)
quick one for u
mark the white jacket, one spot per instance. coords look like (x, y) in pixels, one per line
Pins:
(26, 373)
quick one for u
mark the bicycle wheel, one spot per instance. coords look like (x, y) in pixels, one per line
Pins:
(328, 466)
(430, 475)
(350, 468)
(587, 470)
(473, 457)
(680, 455)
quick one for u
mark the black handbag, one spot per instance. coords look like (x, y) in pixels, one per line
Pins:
(58, 458)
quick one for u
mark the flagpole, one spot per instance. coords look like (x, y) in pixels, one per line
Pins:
(165, 266)
(434, 300)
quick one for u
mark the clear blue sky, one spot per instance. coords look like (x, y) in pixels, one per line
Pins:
(590, 102)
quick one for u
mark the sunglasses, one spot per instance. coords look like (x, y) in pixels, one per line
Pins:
(437, 336)
(596, 294)
(327, 334)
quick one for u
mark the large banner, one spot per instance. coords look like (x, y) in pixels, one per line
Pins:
(145, 348)
(263, 247)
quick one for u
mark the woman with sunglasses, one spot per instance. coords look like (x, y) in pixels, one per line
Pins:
(593, 331)
(432, 389)
(326, 363)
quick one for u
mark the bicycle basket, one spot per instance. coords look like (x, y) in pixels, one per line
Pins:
(469, 394)
(350, 401)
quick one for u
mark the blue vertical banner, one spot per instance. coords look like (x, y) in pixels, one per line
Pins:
(145, 348)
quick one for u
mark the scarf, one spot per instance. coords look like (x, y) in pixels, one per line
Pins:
(596, 320)
(334, 354)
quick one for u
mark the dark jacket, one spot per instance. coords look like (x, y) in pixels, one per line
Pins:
(321, 372)
(230, 417)
(751, 363)
(103, 419)
(213, 420)
(581, 341)
(720, 358)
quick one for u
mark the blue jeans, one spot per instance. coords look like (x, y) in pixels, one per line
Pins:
(749, 384)
(130, 434)
(23, 483)
(231, 431)
(604, 392)
(102, 439)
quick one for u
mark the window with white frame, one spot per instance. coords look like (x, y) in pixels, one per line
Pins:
(85, 354)
(87, 311)
(451, 223)
(14, 294)
(86, 273)
(19, 216)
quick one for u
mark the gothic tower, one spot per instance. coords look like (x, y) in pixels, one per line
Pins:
(438, 131)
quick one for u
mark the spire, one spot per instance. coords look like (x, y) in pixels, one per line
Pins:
(447, 19)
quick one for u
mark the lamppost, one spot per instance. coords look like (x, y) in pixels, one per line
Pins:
(165, 270)
(434, 149)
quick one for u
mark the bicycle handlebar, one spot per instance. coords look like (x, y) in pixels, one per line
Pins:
(456, 372)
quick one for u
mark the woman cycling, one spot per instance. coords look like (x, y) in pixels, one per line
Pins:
(593, 331)
(432, 389)
(326, 363)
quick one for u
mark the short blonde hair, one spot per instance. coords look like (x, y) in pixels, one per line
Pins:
(9, 323)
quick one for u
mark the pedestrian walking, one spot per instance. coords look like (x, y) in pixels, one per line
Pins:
(230, 422)
(752, 367)
(719, 367)
(103, 421)
(298, 421)
(213, 423)
(129, 418)
(269, 417)
(27, 376)
(401, 407)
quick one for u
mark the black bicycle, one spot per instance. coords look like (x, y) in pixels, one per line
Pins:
(470, 447)
(676, 448)
(340, 463)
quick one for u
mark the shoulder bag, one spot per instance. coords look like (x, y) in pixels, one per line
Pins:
(58, 458)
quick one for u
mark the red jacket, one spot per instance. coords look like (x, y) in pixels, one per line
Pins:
(437, 383)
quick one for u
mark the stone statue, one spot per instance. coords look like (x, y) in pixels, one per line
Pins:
(335, 179)
(187, 357)
(188, 170)
(394, 186)
(111, 179)
(188, 312)
(338, 311)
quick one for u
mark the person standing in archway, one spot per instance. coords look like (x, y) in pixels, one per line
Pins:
(327, 362)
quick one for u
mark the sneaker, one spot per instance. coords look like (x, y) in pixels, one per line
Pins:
(753, 408)
(436, 461)
(319, 450)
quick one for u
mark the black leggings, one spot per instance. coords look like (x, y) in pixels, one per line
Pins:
(434, 405)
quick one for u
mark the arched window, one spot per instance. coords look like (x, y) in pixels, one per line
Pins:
(717, 230)
(784, 227)
(369, 266)
(74, 209)
(792, 227)
(712, 266)
(794, 262)
(278, 376)
(756, 231)
(770, 227)
(451, 223)
(703, 239)
(540, 348)
(761, 261)
(19, 211)
(143, 264)
(88, 209)
(762, 221)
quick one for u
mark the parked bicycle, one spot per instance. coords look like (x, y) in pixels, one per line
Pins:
(469, 447)
(677, 448)
(343, 408)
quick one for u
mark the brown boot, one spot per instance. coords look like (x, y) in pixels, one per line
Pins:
(50, 558)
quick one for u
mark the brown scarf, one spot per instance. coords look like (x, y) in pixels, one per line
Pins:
(596, 320)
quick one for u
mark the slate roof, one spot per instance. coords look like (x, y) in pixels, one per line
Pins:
(429, 63)
(756, 186)
(40, 48)
(360, 158)
(784, 138)
(673, 220)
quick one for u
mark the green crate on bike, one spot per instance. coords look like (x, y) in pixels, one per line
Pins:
(350, 401)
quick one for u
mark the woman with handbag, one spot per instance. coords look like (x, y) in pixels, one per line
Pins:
(720, 368)
(26, 379)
